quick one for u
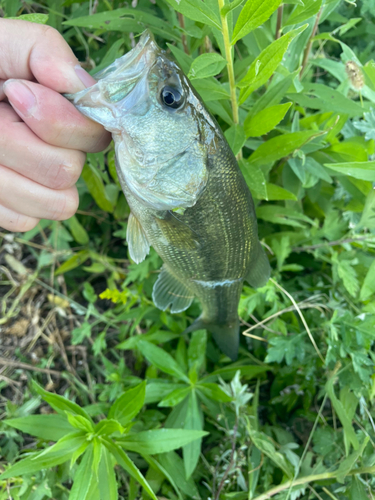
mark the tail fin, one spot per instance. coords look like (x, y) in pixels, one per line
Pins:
(226, 336)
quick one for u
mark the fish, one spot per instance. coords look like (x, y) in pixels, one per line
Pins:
(187, 196)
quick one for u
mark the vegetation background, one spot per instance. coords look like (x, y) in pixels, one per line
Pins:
(139, 411)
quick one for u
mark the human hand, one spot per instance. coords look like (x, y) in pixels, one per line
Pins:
(43, 138)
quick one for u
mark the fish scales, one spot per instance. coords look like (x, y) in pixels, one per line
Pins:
(187, 196)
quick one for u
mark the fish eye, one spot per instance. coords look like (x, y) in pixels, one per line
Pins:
(171, 97)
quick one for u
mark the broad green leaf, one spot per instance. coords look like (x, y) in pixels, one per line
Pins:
(197, 11)
(283, 215)
(159, 440)
(255, 179)
(359, 170)
(95, 186)
(79, 422)
(175, 397)
(236, 138)
(55, 455)
(161, 359)
(281, 146)
(74, 262)
(210, 89)
(206, 65)
(193, 424)
(129, 404)
(253, 14)
(347, 465)
(302, 13)
(227, 373)
(48, 427)
(275, 192)
(83, 477)
(107, 427)
(79, 233)
(130, 467)
(183, 59)
(319, 96)
(266, 120)
(230, 6)
(265, 445)
(342, 415)
(107, 477)
(266, 63)
(127, 21)
(174, 466)
(197, 349)
(357, 490)
(368, 287)
(59, 403)
(156, 390)
(213, 391)
(32, 18)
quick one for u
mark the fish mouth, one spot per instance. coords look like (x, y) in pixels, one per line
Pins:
(116, 83)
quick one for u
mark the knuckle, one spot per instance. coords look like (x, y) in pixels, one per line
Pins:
(66, 174)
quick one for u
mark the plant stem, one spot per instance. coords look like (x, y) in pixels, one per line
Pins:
(279, 21)
(229, 58)
(181, 20)
(309, 44)
(231, 463)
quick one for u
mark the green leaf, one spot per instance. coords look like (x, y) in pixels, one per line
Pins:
(55, 455)
(357, 490)
(79, 233)
(348, 275)
(347, 465)
(59, 403)
(108, 427)
(253, 14)
(210, 89)
(255, 179)
(48, 427)
(107, 477)
(161, 359)
(125, 462)
(359, 170)
(275, 192)
(283, 215)
(266, 120)
(193, 424)
(266, 63)
(174, 466)
(197, 350)
(175, 397)
(368, 215)
(342, 415)
(227, 373)
(197, 11)
(32, 18)
(129, 404)
(83, 477)
(95, 186)
(281, 146)
(368, 287)
(206, 65)
(302, 13)
(159, 440)
(265, 445)
(236, 138)
(213, 391)
(79, 422)
(230, 6)
(74, 262)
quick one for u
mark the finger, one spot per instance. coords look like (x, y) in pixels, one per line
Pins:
(24, 196)
(53, 118)
(2, 95)
(30, 50)
(7, 114)
(22, 151)
(15, 222)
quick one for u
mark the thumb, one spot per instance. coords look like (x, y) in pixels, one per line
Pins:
(33, 51)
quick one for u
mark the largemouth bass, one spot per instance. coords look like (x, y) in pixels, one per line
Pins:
(187, 196)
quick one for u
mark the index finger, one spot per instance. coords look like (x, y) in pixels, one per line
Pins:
(33, 51)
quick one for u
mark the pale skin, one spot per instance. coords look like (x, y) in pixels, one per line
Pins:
(43, 138)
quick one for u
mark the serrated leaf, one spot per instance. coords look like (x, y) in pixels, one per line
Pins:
(206, 65)
(253, 14)
(129, 404)
(348, 275)
(266, 120)
(364, 170)
(266, 63)
(368, 287)
(161, 359)
(302, 13)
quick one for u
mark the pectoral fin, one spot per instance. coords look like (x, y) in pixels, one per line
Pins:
(259, 269)
(177, 232)
(168, 290)
(137, 241)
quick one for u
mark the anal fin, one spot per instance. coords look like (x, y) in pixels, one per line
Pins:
(168, 290)
(259, 270)
(136, 238)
